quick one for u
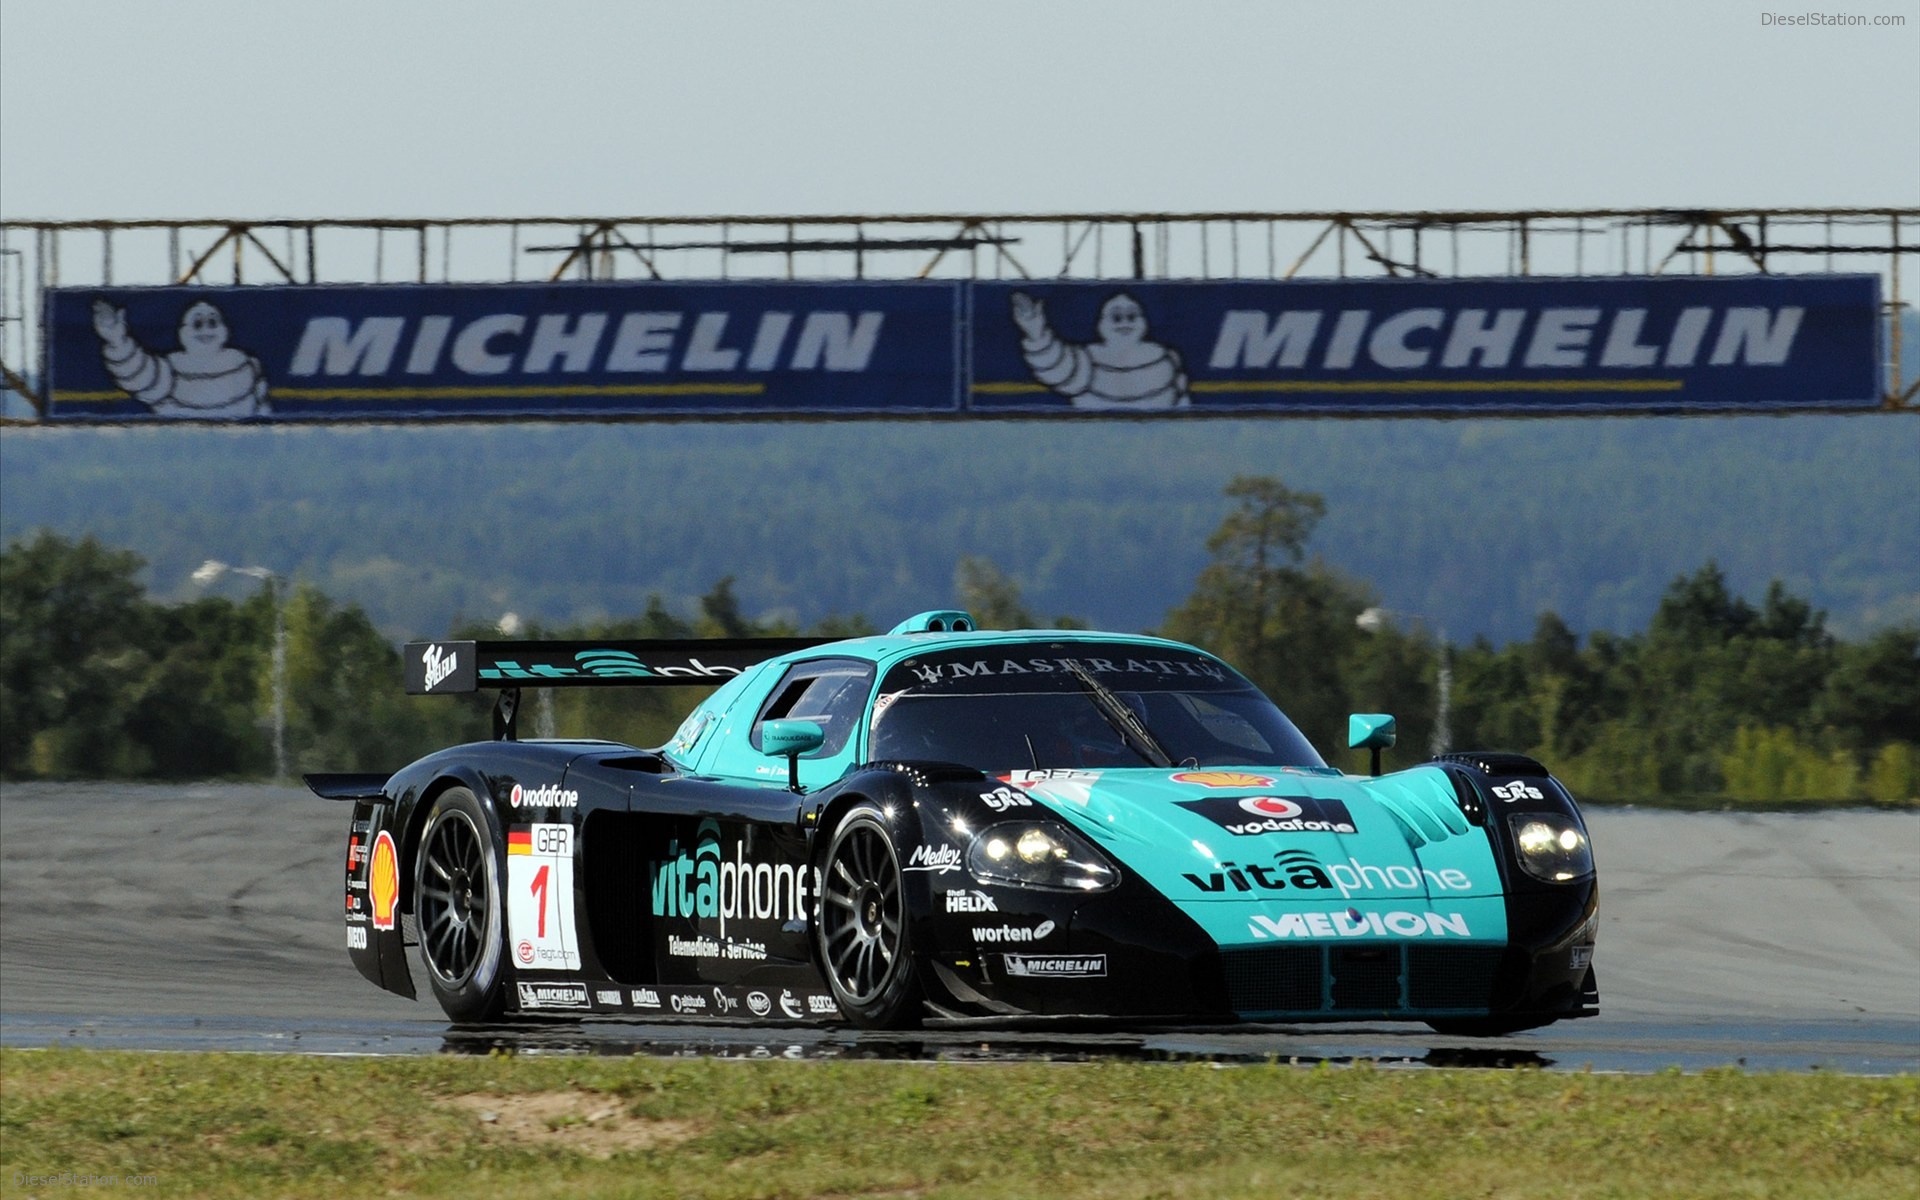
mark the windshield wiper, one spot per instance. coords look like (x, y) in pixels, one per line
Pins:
(1124, 720)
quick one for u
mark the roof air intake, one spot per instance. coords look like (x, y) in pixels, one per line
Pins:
(944, 620)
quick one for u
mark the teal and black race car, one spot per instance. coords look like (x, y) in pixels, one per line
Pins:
(945, 823)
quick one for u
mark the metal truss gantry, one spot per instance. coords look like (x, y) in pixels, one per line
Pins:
(36, 255)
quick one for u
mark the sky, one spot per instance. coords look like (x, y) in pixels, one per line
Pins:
(265, 109)
(198, 109)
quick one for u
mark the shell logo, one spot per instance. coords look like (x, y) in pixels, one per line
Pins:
(383, 880)
(1224, 779)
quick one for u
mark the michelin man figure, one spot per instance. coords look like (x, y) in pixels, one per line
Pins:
(1123, 370)
(205, 377)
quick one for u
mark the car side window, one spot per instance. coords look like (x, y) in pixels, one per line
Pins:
(832, 693)
(1229, 728)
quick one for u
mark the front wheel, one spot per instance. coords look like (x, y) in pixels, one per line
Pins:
(861, 934)
(457, 901)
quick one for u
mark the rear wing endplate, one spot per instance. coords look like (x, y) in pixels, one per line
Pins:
(458, 667)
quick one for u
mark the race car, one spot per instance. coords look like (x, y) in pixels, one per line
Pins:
(951, 824)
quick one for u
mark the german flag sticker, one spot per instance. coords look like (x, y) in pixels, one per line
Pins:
(520, 840)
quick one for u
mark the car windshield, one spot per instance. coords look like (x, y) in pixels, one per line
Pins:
(1040, 706)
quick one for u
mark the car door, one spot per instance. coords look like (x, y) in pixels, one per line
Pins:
(729, 881)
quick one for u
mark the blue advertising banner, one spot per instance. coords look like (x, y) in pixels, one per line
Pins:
(423, 351)
(412, 352)
(1450, 346)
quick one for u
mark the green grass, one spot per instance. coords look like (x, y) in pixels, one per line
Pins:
(242, 1125)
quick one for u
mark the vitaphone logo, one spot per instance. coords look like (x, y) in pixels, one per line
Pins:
(708, 884)
(1299, 869)
(606, 664)
(633, 343)
(1252, 815)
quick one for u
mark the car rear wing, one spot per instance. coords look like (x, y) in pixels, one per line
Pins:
(459, 667)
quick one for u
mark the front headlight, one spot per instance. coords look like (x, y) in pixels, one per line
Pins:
(1039, 854)
(1551, 846)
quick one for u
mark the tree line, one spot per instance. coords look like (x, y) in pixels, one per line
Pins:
(1718, 701)
(1581, 516)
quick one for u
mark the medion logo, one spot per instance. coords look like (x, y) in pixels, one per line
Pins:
(1353, 923)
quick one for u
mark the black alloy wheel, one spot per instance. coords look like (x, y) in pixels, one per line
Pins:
(458, 905)
(865, 946)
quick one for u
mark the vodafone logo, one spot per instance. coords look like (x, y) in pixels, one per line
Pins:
(550, 796)
(1272, 806)
(1251, 816)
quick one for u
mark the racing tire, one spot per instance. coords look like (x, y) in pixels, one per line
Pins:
(862, 934)
(457, 903)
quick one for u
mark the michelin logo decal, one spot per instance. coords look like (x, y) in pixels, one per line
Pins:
(1123, 369)
(1468, 338)
(205, 377)
(638, 343)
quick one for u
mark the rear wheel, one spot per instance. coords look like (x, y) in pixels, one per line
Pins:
(457, 903)
(862, 933)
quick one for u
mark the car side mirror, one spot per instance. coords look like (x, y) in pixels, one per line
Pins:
(1371, 731)
(789, 739)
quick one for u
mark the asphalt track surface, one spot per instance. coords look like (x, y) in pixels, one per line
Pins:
(206, 917)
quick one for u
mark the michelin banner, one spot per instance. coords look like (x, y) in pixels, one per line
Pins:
(505, 350)
(621, 350)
